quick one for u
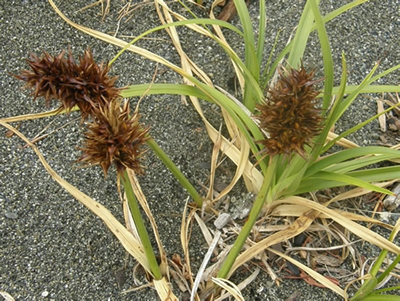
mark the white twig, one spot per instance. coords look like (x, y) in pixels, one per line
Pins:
(204, 264)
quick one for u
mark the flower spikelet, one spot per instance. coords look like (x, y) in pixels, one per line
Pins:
(290, 114)
(115, 136)
(85, 84)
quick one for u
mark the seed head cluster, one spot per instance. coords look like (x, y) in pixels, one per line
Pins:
(290, 114)
(85, 84)
(114, 134)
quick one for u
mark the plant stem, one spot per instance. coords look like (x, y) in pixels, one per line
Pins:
(378, 263)
(382, 257)
(255, 211)
(137, 218)
(389, 269)
(176, 172)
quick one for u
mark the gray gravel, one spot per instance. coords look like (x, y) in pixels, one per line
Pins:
(52, 247)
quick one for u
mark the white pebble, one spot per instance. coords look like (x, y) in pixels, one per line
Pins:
(222, 220)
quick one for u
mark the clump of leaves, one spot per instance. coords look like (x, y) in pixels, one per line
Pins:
(115, 136)
(85, 84)
(278, 181)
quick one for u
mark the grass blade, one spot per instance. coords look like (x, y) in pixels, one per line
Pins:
(300, 39)
(326, 54)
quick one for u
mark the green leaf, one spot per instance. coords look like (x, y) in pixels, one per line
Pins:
(244, 122)
(374, 297)
(251, 57)
(366, 289)
(352, 165)
(269, 69)
(362, 87)
(328, 75)
(261, 32)
(301, 36)
(140, 227)
(368, 89)
(323, 179)
(377, 174)
(386, 289)
(357, 127)
(275, 64)
(176, 172)
(384, 73)
(344, 155)
(330, 16)
(326, 55)
(350, 98)
(332, 116)
(155, 88)
(333, 14)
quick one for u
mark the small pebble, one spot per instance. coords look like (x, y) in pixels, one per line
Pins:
(120, 277)
(45, 294)
(11, 215)
(391, 202)
(222, 220)
(375, 136)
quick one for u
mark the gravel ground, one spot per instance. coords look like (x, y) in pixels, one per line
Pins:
(52, 247)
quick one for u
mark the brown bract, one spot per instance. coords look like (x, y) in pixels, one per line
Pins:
(86, 84)
(115, 136)
(290, 114)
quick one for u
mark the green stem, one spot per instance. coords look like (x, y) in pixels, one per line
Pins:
(369, 285)
(389, 269)
(378, 263)
(176, 172)
(255, 211)
(387, 289)
(137, 218)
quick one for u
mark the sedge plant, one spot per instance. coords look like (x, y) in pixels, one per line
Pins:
(284, 171)
(114, 134)
(299, 166)
(283, 121)
(295, 161)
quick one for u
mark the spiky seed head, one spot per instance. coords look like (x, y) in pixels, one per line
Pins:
(115, 136)
(86, 84)
(290, 113)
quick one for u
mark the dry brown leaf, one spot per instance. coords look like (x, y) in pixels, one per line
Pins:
(127, 240)
(7, 296)
(342, 142)
(355, 228)
(185, 225)
(230, 287)
(32, 116)
(382, 118)
(321, 279)
(298, 226)
(164, 291)
(297, 210)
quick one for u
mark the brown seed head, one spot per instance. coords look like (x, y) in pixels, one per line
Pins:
(86, 84)
(290, 114)
(115, 136)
